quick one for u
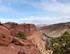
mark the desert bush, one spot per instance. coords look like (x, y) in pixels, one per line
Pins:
(21, 35)
(61, 45)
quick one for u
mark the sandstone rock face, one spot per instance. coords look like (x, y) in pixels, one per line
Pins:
(11, 49)
(15, 49)
(4, 40)
(36, 39)
(28, 49)
(27, 29)
(30, 31)
(5, 37)
(8, 37)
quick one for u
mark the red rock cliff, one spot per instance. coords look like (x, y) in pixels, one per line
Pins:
(33, 45)
(27, 29)
(15, 45)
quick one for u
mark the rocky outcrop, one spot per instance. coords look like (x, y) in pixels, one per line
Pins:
(27, 29)
(56, 27)
(33, 45)
(54, 30)
(15, 49)
(5, 37)
(37, 40)
(8, 37)
(29, 49)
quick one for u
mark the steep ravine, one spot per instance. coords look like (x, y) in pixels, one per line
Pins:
(37, 39)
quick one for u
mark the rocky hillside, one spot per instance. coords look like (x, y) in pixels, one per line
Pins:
(27, 29)
(55, 30)
(10, 43)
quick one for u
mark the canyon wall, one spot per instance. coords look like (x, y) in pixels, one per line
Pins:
(34, 43)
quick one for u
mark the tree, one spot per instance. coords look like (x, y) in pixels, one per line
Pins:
(61, 45)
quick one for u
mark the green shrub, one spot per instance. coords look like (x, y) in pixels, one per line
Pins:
(21, 35)
(61, 45)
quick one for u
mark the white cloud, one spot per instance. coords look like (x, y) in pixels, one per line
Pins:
(52, 5)
(43, 5)
(38, 20)
(64, 8)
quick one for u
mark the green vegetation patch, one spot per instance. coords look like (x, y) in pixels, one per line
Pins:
(21, 35)
(60, 45)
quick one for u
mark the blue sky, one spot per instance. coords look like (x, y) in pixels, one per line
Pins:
(35, 11)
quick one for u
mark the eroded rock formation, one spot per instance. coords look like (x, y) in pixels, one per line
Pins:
(8, 33)
(33, 45)
(27, 29)
(5, 37)
(29, 49)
